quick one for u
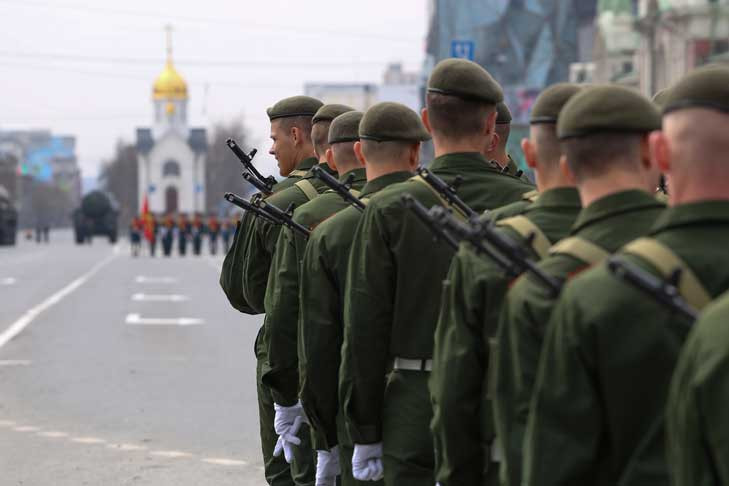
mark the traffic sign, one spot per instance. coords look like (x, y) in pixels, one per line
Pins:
(464, 49)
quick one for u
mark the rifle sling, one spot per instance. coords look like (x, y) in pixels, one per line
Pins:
(307, 188)
(581, 249)
(444, 202)
(525, 228)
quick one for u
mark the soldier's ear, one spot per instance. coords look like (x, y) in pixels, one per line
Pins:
(329, 154)
(530, 155)
(358, 153)
(426, 120)
(660, 151)
(414, 159)
(564, 167)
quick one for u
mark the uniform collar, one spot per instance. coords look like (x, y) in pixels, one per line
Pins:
(613, 205)
(383, 181)
(323, 166)
(461, 160)
(693, 213)
(558, 197)
(360, 175)
(307, 163)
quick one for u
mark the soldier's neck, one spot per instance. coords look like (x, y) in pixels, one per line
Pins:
(598, 187)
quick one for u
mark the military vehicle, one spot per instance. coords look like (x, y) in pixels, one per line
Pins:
(97, 216)
(8, 218)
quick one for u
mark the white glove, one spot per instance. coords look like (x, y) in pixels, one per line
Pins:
(287, 423)
(367, 462)
(327, 467)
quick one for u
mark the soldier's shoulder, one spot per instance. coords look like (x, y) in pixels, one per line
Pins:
(319, 208)
(711, 329)
(287, 196)
(510, 210)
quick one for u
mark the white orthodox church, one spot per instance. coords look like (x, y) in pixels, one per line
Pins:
(171, 156)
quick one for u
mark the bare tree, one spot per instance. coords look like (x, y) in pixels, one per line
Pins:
(223, 170)
(119, 177)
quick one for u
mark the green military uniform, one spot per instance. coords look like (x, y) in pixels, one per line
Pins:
(256, 258)
(462, 426)
(609, 351)
(393, 293)
(697, 420)
(324, 271)
(600, 229)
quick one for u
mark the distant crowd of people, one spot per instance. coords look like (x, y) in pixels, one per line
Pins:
(183, 229)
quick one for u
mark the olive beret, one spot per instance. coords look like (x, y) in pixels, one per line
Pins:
(707, 87)
(464, 79)
(294, 106)
(345, 127)
(329, 112)
(389, 122)
(550, 102)
(503, 114)
(601, 109)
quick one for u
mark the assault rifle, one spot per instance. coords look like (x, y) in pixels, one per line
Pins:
(448, 191)
(421, 212)
(263, 184)
(340, 188)
(282, 217)
(246, 206)
(663, 291)
(512, 257)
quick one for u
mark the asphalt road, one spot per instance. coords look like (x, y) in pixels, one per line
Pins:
(122, 371)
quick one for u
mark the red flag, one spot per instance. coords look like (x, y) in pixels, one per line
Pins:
(148, 220)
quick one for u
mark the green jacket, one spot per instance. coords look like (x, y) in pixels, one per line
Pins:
(394, 282)
(263, 236)
(324, 269)
(462, 425)
(282, 293)
(609, 222)
(231, 278)
(697, 420)
(607, 362)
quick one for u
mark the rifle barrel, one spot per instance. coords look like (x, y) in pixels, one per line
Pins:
(448, 192)
(247, 206)
(284, 217)
(338, 187)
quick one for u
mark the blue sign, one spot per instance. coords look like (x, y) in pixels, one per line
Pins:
(198, 188)
(464, 49)
(152, 188)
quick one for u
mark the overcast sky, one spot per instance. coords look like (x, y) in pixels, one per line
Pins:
(87, 68)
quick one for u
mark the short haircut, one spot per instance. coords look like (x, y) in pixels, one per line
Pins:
(544, 136)
(383, 152)
(344, 154)
(503, 130)
(303, 123)
(597, 154)
(320, 137)
(457, 118)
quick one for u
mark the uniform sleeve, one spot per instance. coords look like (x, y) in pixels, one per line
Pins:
(257, 264)
(697, 420)
(456, 383)
(320, 332)
(282, 312)
(565, 424)
(368, 309)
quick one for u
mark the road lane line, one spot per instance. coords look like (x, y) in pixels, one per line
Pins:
(26, 428)
(224, 462)
(8, 281)
(53, 434)
(159, 297)
(144, 279)
(18, 326)
(7, 423)
(127, 447)
(170, 454)
(15, 362)
(88, 440)
(138, 320)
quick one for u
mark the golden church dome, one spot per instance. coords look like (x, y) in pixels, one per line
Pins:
(169, 85)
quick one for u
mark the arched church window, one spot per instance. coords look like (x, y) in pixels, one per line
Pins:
(171, 168)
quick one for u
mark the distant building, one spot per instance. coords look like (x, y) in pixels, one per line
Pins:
(171, 155)
(359, 96)
(401, 86)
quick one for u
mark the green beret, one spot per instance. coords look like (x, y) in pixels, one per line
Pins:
(389, 122)
(329, 112)
(707, 87)
(464, 79)
(503, 116)
(602, 109)
(345, 127)
(550, 102)
(294, 106)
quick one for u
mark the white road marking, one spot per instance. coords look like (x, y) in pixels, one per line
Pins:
(224, 462)
(8, 281)
(88, 440)
(127, 447)
(53, 434)
(26, 428)
(137, 320)
(159, 298)
(166, 280)
(7, 423)
(18, 326)
(15, 362)
(170, 454)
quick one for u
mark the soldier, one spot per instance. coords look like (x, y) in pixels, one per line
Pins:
(472, 297)
(496, 150)
(291, 132)
(135, 235)
(151, 226)
(609, 352)
(324, 270)
(393, 283)
(213, 227)
(197, 230)
(226, 231)
(183, 233)
(697, 419)
(168, 235)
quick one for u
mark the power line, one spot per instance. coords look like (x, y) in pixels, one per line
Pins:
(249, 24)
